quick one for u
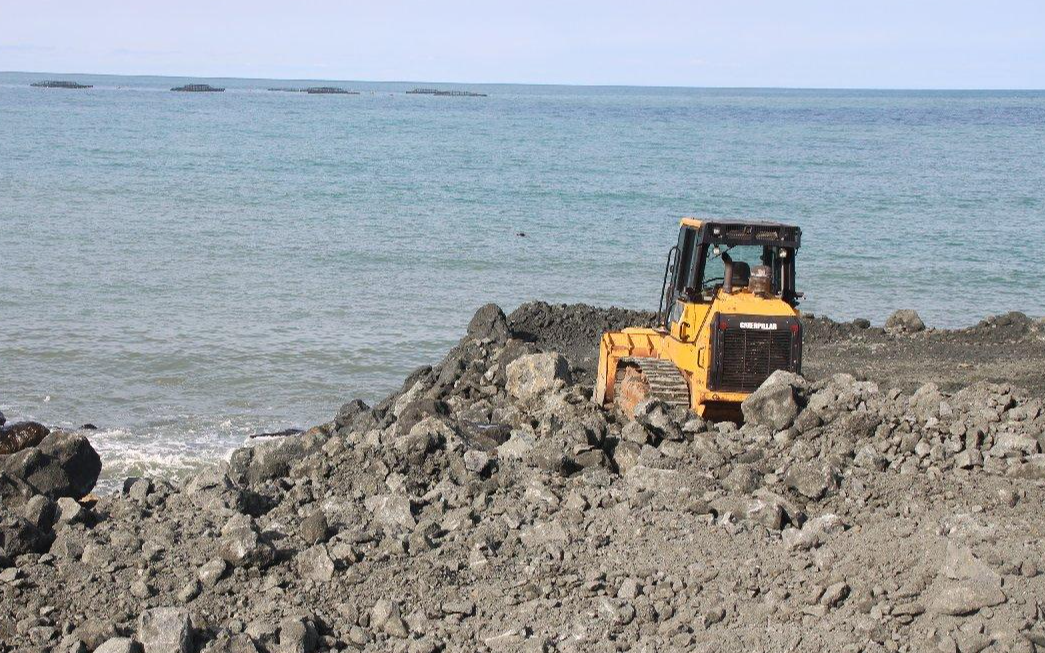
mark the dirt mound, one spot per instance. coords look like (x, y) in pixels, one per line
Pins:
(490, 506)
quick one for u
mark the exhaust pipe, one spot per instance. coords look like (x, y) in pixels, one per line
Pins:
(727, 277)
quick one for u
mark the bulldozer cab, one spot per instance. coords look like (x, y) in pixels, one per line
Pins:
(713, 258)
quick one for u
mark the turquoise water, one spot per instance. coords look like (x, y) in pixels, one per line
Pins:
(185, 269)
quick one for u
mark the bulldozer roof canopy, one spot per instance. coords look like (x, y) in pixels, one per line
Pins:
(745, 232)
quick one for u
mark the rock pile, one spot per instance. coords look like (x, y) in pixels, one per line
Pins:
(490, 506)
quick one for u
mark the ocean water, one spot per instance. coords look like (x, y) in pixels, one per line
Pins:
(183, 270)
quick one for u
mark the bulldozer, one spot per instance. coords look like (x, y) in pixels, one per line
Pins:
(727, 319)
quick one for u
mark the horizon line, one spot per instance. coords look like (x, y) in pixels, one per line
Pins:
(564, 84)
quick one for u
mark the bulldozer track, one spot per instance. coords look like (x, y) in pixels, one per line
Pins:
(665, 381)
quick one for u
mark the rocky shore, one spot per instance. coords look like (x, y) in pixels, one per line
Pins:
(892, 500)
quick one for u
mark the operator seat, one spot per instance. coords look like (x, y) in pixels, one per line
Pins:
(741, 274)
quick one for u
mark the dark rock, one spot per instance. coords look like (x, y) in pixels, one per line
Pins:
(314, 528)
(18, 536)
(351, 413)
(14, 492)
(418, 410)
(862, 323)
(62, 465)
(490, 323)
(21, 435)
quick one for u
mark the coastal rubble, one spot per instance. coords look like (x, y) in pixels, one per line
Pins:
(489, 505)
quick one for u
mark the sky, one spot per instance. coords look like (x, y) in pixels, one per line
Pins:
(796, 43)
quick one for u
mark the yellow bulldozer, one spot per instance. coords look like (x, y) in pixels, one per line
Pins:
(727, 319)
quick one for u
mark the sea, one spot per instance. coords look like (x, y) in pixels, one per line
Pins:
(183, 270)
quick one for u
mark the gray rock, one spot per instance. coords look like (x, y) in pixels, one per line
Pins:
(190, 591)
(629, 589)
(533, 374)
(637, 433)
(548, 532)
(776, 402)
(297, 635)
(972, 586)
(813, 533)
(642, 477)
(243, 546)
(119, 645)
(385, 617)
(812, 480)
(315, 563)
(40, 512)
(210, 573)
(518, 446)
(1013, 445)
(656, 416)
(476, 461)
(140, 589)
(904, 320)
(626, 455)
(94, 632)
(834, 595)
(744, 479)
(392, 511)
(270, 460)
(165, 630)
(70, 511)
(966, 597)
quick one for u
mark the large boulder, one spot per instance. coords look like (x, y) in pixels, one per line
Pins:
(489, 323)
(531, 375)
(777, 401)
(904, 320)
(19, 436)
(62, 465)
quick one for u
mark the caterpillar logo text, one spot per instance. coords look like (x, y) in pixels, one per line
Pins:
(763, 326)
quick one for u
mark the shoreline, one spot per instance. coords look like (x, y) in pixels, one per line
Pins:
(489, 505)
(929, 354)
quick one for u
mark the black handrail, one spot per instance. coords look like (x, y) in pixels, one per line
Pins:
(669, 267)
